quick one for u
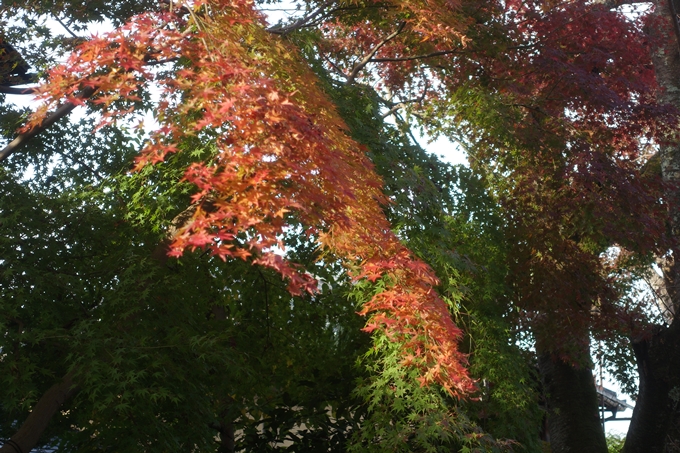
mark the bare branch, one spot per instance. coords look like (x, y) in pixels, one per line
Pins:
(13, 90)
(302, 22)
(394, 107)
(405, 129)
(334, 66)
(65, 26)
(611, 4)
(414, 57)
(58, 114)
(394, 110)
(152, 62)
(358, 67)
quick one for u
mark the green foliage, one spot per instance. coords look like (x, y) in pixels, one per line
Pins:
(615, 443)
(193, 340)
(170, 352)
(446, 215)
(163, 350)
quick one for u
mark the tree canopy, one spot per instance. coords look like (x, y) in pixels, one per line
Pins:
(242, 247)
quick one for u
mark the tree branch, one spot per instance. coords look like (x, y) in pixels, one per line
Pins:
(303, 21)
(414, 57)
(334, 66)
(13, 90)
(405, 129)
(394, 107)
(358, 67)
(611, 4)
(58, 114)
(47, 406)
(68, 30)
(180, 221)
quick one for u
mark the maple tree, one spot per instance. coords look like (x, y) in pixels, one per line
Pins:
(567, 171)
(279, 148)
(88, 367)
(253, 147)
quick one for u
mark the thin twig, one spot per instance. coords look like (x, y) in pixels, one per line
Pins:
(334, 66)
(279, 30)
(414, 57)
(65, 27)
(82, 164)
(160, 62)
(399, 105)
(173, 7)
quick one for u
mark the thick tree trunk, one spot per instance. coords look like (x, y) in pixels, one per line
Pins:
(573, 421)
(655, 426)
(227, 438)
(47, 406)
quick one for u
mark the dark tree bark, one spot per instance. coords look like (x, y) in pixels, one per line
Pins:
(227, 438)
(573, 421)
(47, 406)
(654, 426)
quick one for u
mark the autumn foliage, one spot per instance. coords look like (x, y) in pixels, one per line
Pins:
(248, 151)
(278, 151)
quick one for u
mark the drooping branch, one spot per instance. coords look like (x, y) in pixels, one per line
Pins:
(60, 112)
(367, 59)
(42, 412)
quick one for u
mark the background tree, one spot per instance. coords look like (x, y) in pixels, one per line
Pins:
(556, 123)
(120, 352)
(655, 425)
